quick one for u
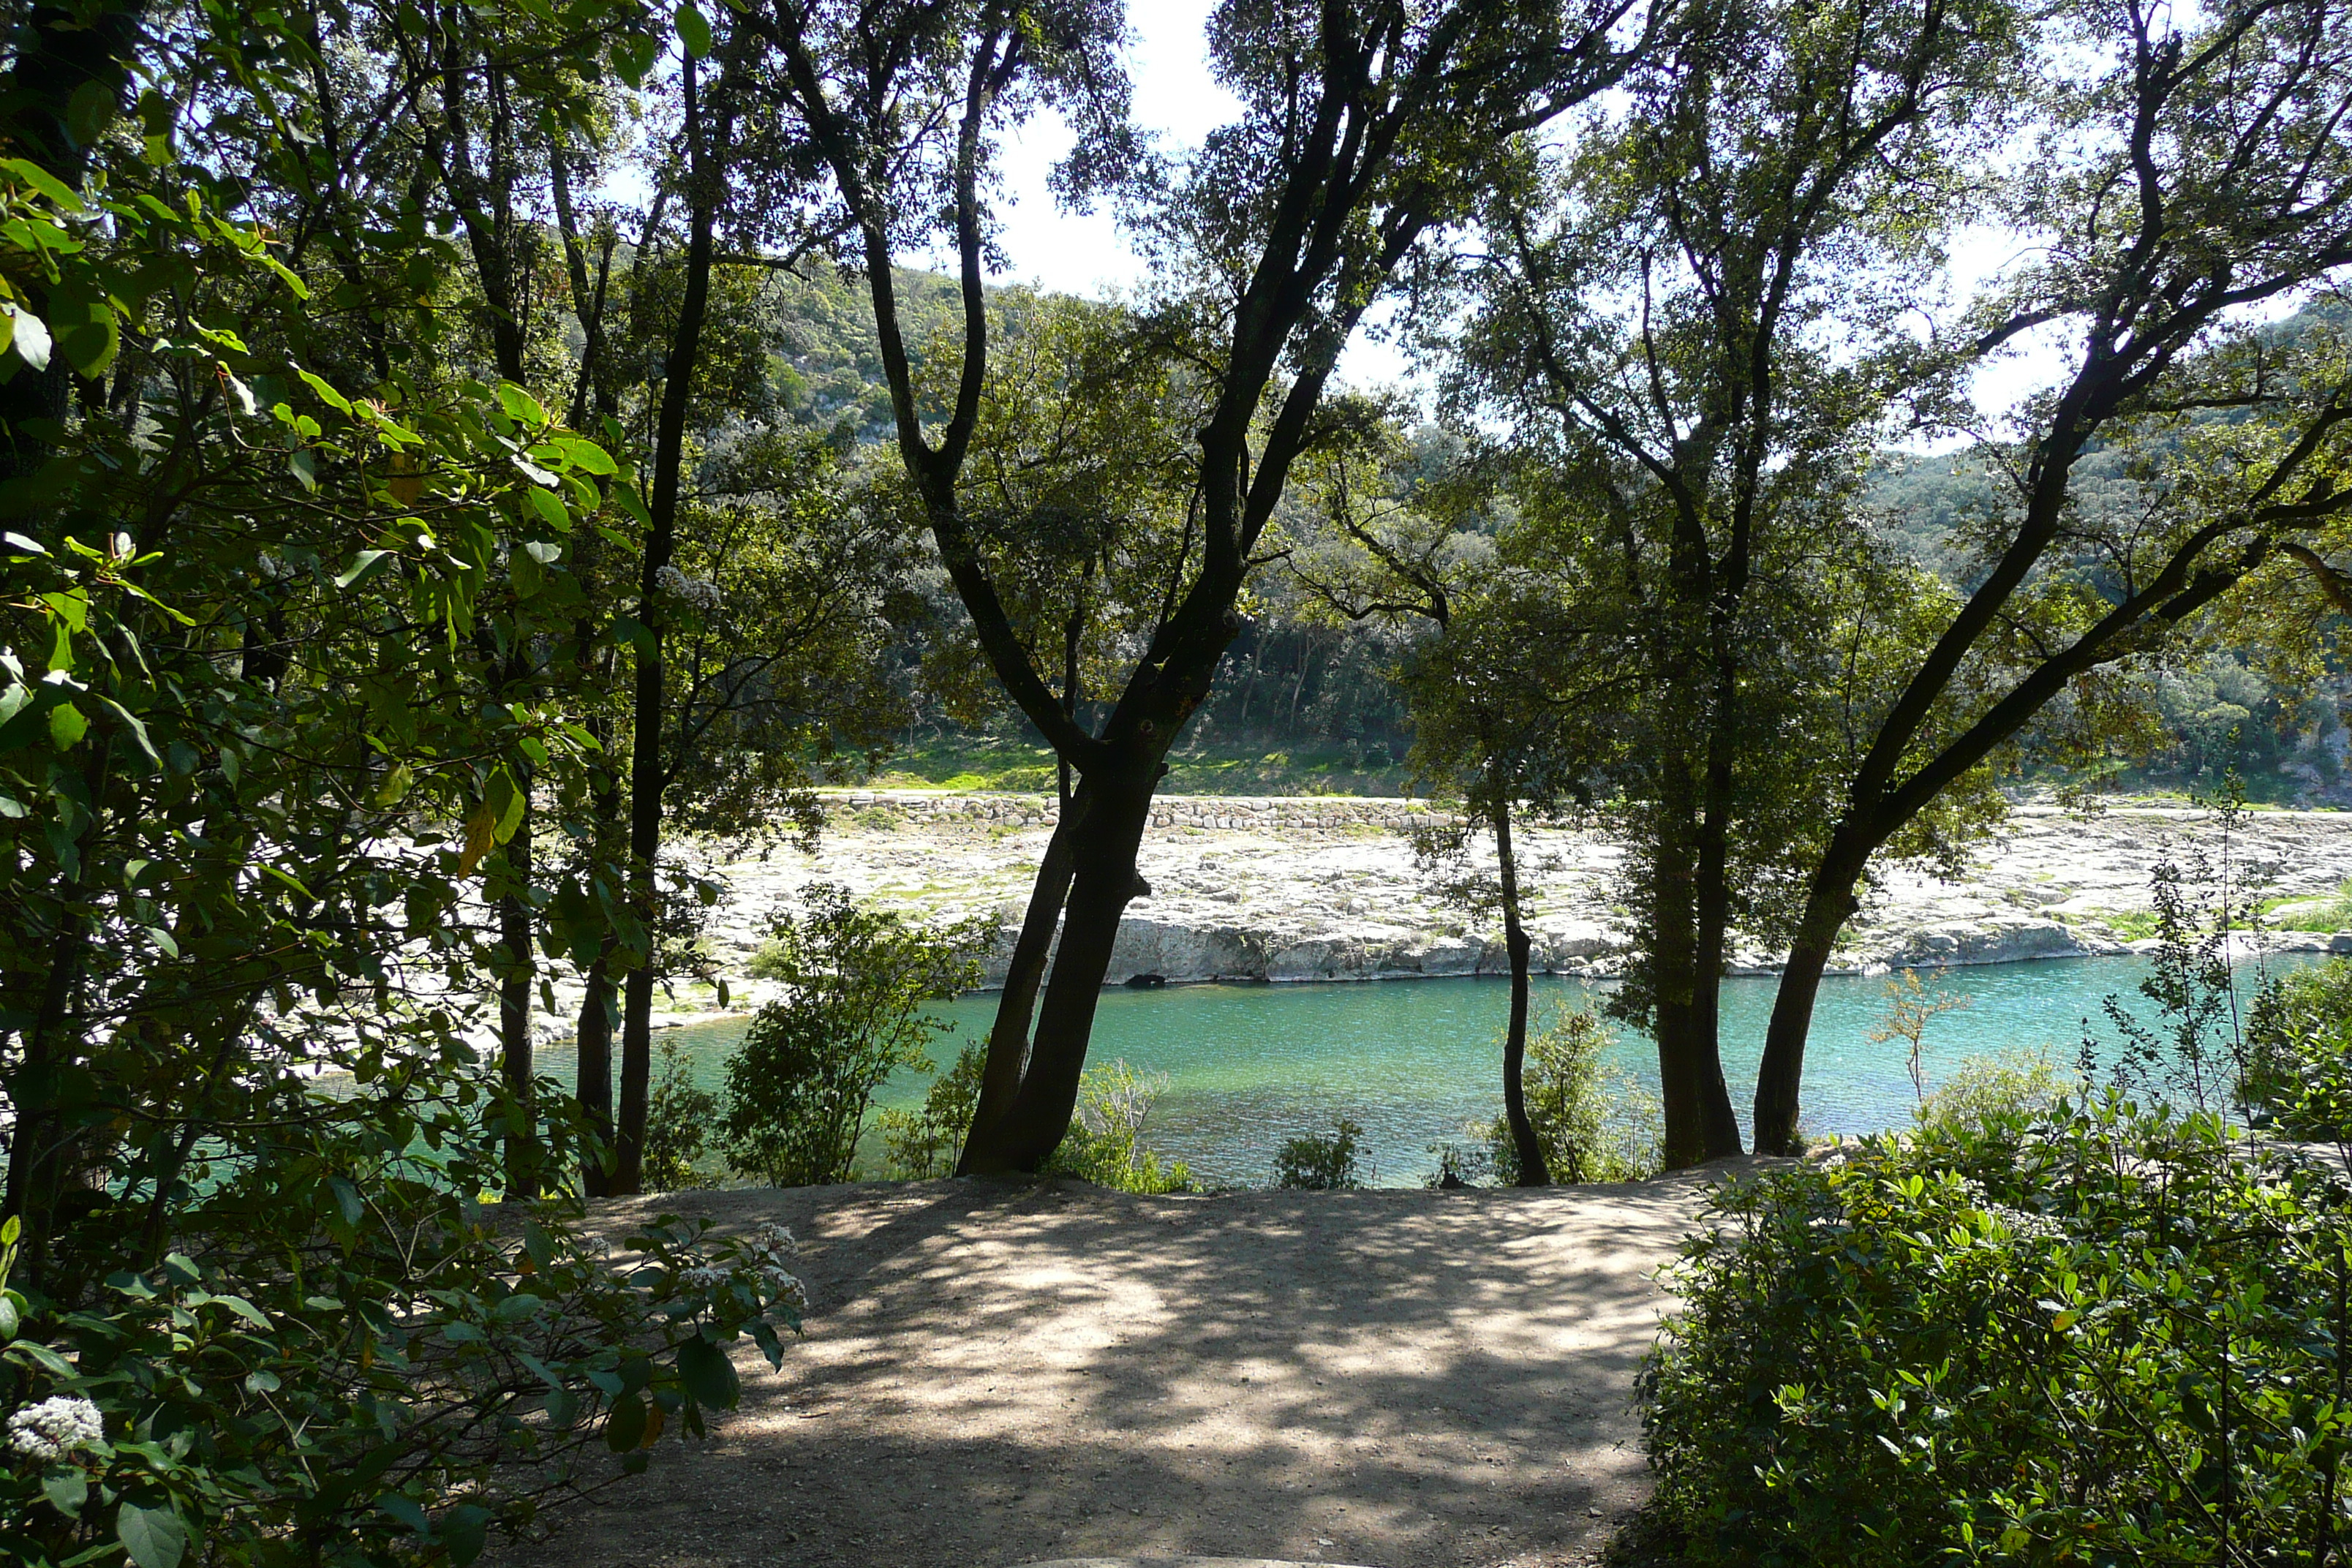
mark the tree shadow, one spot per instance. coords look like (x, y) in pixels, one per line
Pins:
(1002, 1372)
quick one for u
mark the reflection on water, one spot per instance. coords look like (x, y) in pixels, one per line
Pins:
(1249, 1065)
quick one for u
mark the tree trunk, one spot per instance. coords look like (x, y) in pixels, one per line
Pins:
(1711, 910)
(515, 1054)
(1112, 807)
(636, 1081)
(1008, 1039)
(1690, 1068)
(595, 1087)
(648, 775)
(1534, 1170)
(1829, 903)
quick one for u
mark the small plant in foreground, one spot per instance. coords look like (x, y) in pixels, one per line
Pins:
(1321, 1161)
(2103, 1336)
(1594, 1122)
(679, 1122)
(927, 1142)
(1909, 1008)
(802, 1084)
(2299, 1052)
(1104, 1145)
(1984, 1092)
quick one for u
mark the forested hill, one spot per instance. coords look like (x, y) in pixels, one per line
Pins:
(1302, 700)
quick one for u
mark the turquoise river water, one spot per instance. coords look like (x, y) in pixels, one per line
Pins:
(1250, 1065)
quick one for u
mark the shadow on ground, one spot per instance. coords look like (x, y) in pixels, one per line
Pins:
(997, 1373)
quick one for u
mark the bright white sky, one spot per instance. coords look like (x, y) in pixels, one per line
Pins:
(1176, 96)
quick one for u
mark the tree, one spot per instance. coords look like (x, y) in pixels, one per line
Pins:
(248, 797)
(1366, 127)
(2205, 173)
(1499, 712)
(1657, 323)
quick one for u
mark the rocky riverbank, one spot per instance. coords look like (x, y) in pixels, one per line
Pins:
(1321, 888)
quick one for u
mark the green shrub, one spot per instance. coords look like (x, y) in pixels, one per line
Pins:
(679, 1122)
(338, 1358)
(1104, 1145)
(1321, 1161)
(1984, 1092)
(2105, 1337)
(2298, 1072)
(800, 1087)
(927, 1142)
(1593, 1122)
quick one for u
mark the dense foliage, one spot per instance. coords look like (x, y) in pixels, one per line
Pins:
(2107, 1334)
(1592, 1121)
(2298, 1075)
(800, 1088)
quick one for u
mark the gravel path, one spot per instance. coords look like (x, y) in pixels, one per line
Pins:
(998, 1373)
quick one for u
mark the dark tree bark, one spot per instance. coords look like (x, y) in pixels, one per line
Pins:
(647, 771)
(1016, 1006)
(1534, 1170)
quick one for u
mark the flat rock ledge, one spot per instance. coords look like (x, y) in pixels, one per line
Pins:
(1328, 888)
(1319, 888)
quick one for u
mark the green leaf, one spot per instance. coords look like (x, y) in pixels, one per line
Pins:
(138, 729)
(407, 1510)
(286, 275)
(708, 1374)
(67, 1491)
(67, 726)
(520, 405)
(155, 1537)
(586, 456)
(359, 567)
(625, 1428)
(464, 1532)
(327, 393)
(550, 510)
(30, 338)
(245, 1310)
(693, 31)
(41, 179)
(10, 1319)
(83, 319)
(508, 802)
(546, 553)
(304, 468)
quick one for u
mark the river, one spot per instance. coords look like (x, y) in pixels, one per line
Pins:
(1412, 1061)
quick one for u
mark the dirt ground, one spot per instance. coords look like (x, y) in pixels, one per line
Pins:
(999, 1372)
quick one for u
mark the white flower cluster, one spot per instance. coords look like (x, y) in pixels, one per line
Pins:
(56, 1428)
(772, 1246)
(702, 1277)
(691, 591)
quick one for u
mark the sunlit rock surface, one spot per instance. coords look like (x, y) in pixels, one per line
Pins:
(1325, 888)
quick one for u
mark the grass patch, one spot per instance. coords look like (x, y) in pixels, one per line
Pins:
(2328, 912)
(975, 763)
